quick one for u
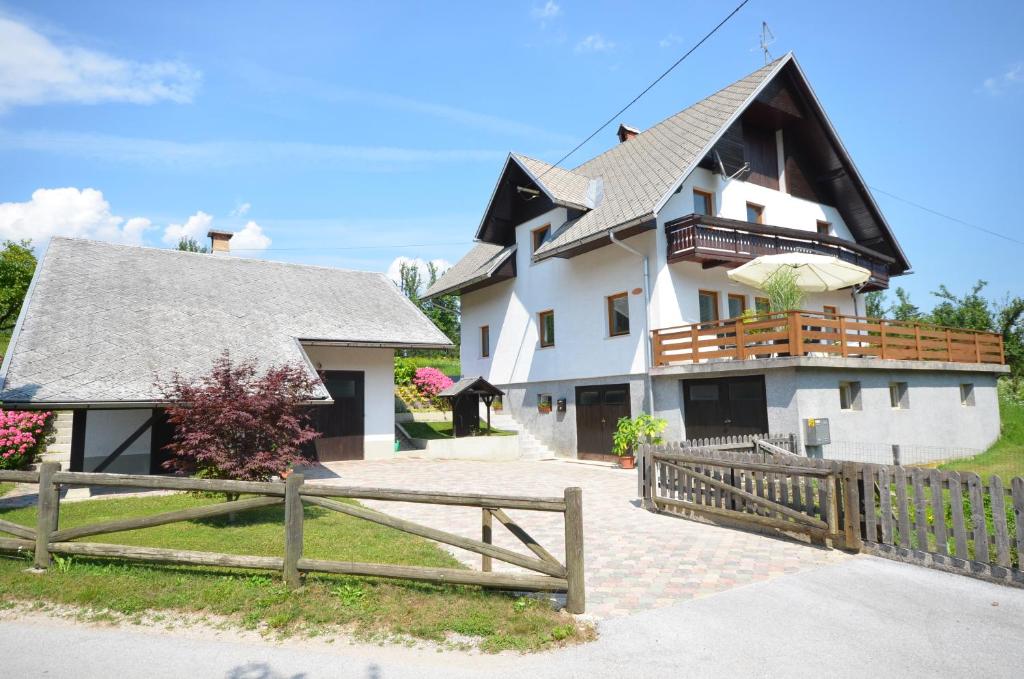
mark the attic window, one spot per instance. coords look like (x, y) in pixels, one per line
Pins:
(539, 236)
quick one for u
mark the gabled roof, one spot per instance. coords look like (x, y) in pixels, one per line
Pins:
(632, 181)
(471, 385)
(478, 265)
(102, 322)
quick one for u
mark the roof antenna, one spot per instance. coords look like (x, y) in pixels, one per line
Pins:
(767, 38)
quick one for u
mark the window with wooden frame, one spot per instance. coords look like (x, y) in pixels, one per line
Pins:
(762, 305)
(703, 202)
(485, 341)
(755, 213)
(824, 228)
(830, 311)
(546, 324)
(708, 301)
(618, 314)
(737, 305)
(539, 235)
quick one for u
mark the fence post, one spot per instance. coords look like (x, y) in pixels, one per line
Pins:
(485, 536)
(896, 454)
(851, 507)
(831, 506)
(575, 600)
(292, 530)
(46, 519)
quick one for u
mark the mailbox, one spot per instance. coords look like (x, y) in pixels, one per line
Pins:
(816, 432)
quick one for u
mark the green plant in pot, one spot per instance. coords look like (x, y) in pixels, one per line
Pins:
(631, 433)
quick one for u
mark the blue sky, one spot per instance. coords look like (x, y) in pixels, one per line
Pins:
(333, 133)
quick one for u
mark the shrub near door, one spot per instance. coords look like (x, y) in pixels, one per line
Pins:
(635, 432)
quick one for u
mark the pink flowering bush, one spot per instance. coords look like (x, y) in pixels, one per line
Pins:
(23, 437)
(431, 381)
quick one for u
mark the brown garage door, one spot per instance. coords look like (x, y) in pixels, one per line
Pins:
(725, 407)
(341, 423)
(598, 409)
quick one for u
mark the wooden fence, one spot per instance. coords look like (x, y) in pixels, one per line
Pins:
(949, 520)
(48, 538)
(809, 333)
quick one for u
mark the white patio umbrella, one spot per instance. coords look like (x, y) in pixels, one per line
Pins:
(814, 273)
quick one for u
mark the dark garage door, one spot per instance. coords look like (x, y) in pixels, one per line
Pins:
(341, 423)
(598, 409)
(725, 407)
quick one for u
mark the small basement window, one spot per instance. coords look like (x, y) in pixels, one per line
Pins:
(849, 395)
(618, 314)
(899, 396)
(546, 321)
(967, 394)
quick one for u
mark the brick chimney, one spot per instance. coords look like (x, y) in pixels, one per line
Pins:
(219, 241)
(626, 132)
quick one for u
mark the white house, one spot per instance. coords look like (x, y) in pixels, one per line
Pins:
(103, 324)
(602, 290)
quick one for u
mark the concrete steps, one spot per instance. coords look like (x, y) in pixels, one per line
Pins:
(530, 447)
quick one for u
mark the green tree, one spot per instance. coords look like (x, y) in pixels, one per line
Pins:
(904, 309)
(970, 312)
(442, 310)
(17, 264)
(783, 292)
(1010, 323)
(875, 304)
(191, 245)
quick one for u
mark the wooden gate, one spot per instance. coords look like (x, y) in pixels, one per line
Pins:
(773, 490)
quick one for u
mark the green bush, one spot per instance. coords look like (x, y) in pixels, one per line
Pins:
(631, 433)
(404, 371)
(783, 292)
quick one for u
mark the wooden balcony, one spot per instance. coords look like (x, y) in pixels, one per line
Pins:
(808, 333)
(714, 241)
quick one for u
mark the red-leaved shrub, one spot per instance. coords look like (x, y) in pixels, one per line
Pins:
(23, 437)
(239, 423)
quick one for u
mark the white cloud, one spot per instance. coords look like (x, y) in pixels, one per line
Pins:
(36, 70)
(595, 42)
(195, 227)
(545, 13)
(241, 210)
(82, 213)
(1014, 75)
(251, 237)
(421, 264)
(669, 40)
(188, 154)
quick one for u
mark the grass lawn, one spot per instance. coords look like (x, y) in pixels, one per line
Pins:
(6, 488)
(449, 365)
(443, 430)
(370, 608)
(1006, 457)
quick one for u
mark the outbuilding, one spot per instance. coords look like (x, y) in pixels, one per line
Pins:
(103, 325)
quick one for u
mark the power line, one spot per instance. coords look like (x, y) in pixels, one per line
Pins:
(648, 88)
(949, 217)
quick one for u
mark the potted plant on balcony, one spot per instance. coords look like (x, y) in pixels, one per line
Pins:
(631, 433)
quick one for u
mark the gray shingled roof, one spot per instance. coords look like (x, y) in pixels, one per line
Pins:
(103, 321)
(478, 264)
(638, 172)
(566, 187)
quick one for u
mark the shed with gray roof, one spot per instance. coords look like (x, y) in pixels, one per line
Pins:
(103, 325)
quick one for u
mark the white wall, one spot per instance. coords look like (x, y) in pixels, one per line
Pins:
(576, 289)
(378, 366)
(106, 430)
(674, 300)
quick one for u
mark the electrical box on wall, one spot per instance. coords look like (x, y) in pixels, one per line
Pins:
(816, 431)
(560, 405)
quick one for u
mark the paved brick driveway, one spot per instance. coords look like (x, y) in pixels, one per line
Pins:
(634, 560)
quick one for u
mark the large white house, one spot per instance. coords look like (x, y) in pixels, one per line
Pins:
(602, 291)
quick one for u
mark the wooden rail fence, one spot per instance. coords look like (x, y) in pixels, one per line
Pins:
(47, 538)
(954, 521)
(808, 333)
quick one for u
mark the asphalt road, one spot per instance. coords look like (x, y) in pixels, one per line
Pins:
(863, 617)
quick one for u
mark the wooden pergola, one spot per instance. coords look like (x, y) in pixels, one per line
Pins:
(464, 397)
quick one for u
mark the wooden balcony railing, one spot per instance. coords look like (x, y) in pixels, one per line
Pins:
(728, 242)
(809, 333)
